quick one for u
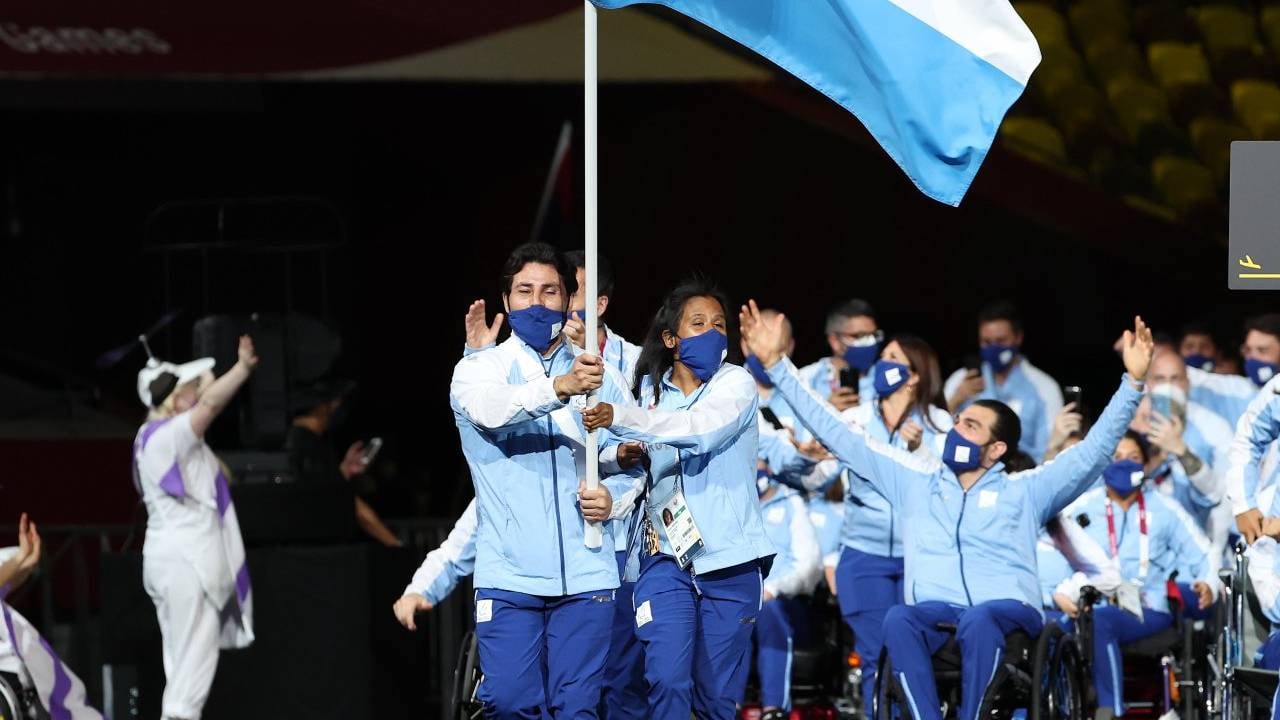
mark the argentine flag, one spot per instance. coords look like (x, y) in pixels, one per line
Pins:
(931, 79)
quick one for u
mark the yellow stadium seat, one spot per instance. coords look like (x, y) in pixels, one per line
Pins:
(1045, 23)
(1139, 106)
(1212, 137)
(1162, 21)
(1111, 59)
(1257, 105)
(1081, 113)
(1036, 138)
(1186, 185)
(1183, 71)
(1271, 28)
(1177, 64)
(1059, 67)
(1231, 38)
(1097, 20)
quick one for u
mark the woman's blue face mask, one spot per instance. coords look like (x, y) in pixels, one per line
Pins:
(704, 354)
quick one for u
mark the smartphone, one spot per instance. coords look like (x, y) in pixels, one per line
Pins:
(772, 418)
(371, 450)
(849, 378)
(1162, 405)
(1072, 394)
(973, 362)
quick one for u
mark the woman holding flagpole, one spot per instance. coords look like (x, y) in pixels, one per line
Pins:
(701, 546)
(193, 562)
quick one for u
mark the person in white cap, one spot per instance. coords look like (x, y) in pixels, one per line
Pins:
(193, 563)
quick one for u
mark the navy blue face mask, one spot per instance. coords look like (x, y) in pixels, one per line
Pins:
(959, 454)
(704, 354)
(758, 372)
(1199, 362)
(888, 376)
(862, 357)
(999, 357)
(1124, 477)
(537, 325)
(1260, 371)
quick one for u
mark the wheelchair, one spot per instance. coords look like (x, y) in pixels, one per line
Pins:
(1041, 675)
(825, 675)
(1182, 655)
(1244, 692)
(18, 702)
(467, 676)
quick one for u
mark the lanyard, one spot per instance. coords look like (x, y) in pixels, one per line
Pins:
(1144, 542)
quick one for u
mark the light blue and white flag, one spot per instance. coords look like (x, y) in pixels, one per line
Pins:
(930, 79)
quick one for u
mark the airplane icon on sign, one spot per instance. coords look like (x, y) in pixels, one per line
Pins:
(1248, 262)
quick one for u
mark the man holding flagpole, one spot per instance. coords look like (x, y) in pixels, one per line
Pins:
(544, 600)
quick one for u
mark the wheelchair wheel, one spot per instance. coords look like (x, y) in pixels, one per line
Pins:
(13, 705)
(1057, 691)
(466, 680)
(886, 695)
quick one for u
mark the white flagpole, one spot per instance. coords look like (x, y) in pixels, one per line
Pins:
(592, 535)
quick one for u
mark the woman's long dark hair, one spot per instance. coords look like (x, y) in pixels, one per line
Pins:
(655, 357)
(924, 362)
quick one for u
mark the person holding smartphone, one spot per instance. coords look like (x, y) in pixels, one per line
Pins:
(854, 337)
(316, 410)
(1005, 374)
(699, 586)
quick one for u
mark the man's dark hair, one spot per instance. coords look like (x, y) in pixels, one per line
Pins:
(1007, 428)
(848, 309)
(1198, 327)
(604, 271)
(1268, 323)
(1001, 310)
(542, 254)
(1017, 461)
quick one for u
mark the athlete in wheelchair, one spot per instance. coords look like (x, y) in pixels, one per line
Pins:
(1150, 539)
(971, 526)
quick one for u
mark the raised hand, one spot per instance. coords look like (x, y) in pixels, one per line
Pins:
(576, 331)
(765, 338)
(480, 335)
(1138, 347)
(246, 354)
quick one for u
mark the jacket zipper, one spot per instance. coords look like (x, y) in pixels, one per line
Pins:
(964, 499)
(555, 495)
